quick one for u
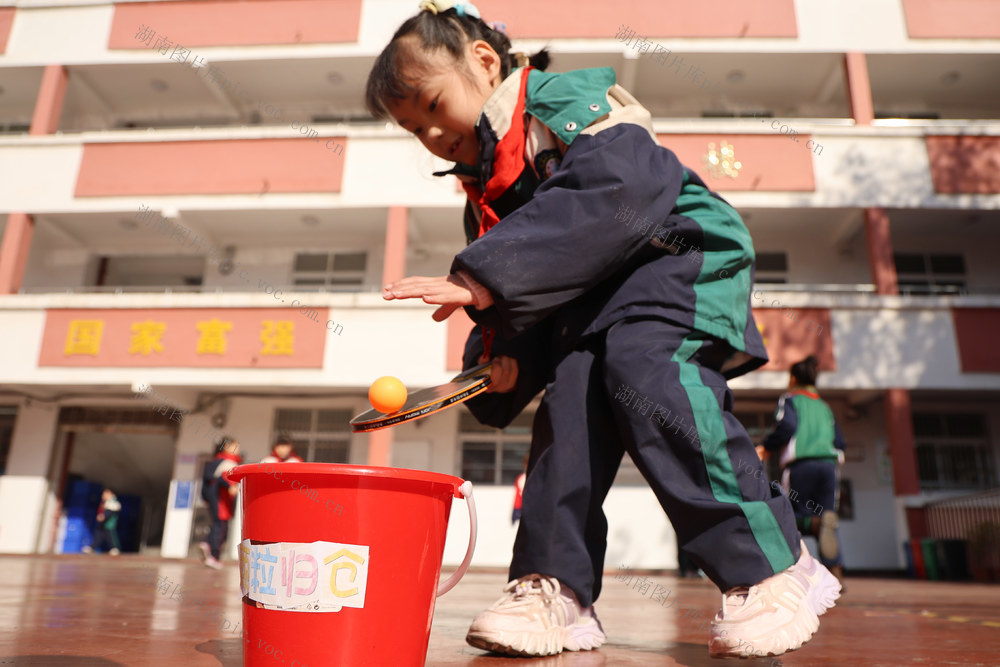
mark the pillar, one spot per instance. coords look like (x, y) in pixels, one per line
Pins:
(880, 259)
(903, 452)
(14, 249)
(859, 88)
(49, 104)
(394, 261)
(393, 268)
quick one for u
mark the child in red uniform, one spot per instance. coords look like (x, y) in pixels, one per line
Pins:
(223, 503)
(615, 280)
(283, 451)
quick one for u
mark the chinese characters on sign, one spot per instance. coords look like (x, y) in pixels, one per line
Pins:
(84, 337)
(181, 337)
(722, 162)
(314, 576)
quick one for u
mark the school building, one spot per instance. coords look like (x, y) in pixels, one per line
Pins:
(197, 215)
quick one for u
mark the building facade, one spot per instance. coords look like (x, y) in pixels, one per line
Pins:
(197, 215)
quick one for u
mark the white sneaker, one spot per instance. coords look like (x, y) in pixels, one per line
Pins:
(535, 617)
(779, 614)
(114, 551)
(213, 563)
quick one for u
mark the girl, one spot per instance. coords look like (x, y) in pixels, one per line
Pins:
(811, 446)
(618, 282)
(283, 451)
(222, 505)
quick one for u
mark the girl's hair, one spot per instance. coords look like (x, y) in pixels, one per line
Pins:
(222, 443)
(393, 72)
(805, 371)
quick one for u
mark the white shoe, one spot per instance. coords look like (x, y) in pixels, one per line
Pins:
(87, 549)
(213, 563)
(206, 550)
(536, 617)
(114, 552)
(779, 614)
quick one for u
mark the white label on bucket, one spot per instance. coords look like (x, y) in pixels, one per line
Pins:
(304, 576)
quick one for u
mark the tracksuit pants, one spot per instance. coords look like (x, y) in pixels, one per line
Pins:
(814, 484)
(652, 388)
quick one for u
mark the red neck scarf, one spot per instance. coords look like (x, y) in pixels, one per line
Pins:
(508, 163)
(236, 458)
(806, 391)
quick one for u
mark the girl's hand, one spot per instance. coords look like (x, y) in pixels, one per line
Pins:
(503, 377)
(448, 291)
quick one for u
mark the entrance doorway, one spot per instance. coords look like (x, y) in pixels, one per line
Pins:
(130, 451)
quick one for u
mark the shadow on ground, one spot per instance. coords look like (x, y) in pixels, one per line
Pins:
(228, 652)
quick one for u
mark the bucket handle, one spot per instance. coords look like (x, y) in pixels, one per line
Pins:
(466, 490)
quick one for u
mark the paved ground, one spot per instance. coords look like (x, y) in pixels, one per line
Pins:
(97, 611)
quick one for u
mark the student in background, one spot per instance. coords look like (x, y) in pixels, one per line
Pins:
(107, 524)
(283, 451)
(221, 497)
(811, 447)
(515, 516)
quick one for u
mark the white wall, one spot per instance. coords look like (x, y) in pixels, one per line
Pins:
(24, 489)
(871, 540)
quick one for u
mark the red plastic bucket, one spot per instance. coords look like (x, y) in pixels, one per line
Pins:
(339, 565)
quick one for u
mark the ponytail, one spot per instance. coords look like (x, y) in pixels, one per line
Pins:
(433, 29)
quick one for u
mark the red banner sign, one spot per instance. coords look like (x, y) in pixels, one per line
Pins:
(185, 337)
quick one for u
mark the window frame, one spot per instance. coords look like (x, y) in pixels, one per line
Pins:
(311, 437)
(333, 280)
(497, 437)
(986, 460)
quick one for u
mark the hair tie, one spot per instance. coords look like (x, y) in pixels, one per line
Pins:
(498, 26)
(467, 9)
(439, 6)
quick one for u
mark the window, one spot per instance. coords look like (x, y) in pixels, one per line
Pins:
(145, 271)
(758, 424)
(319, 436)
(330, 272)
(8, 415)
(920, 273)
(491, 455)
(15, 128)
(953, 451)
(771, 268)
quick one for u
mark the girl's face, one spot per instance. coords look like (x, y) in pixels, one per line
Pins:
(443, 110)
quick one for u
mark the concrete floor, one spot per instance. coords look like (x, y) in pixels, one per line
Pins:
(98, 611)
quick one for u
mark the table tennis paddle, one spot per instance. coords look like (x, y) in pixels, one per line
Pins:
(424, 402)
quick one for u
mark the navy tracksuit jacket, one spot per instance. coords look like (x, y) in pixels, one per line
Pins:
(622, 286)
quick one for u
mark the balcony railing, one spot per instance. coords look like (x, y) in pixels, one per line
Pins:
(187, 289)
(813, 288)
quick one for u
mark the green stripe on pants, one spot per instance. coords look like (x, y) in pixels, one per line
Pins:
(712, 430)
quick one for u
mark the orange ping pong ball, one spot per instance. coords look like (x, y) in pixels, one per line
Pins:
(387, 394)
